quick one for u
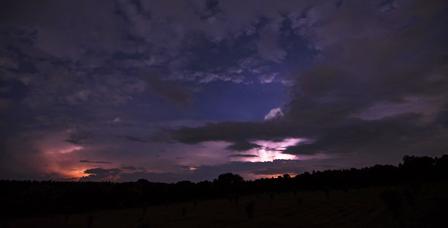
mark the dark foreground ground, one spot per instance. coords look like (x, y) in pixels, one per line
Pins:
(393, 206)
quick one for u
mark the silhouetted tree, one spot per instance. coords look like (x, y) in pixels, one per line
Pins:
(417, 167)
(24, 198)
(229, 179)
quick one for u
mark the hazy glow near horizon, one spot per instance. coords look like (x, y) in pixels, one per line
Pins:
(74, 173)
(62, 158)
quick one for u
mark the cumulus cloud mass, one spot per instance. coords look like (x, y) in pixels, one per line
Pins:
(185, 90)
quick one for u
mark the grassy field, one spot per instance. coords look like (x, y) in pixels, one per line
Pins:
(417, 206)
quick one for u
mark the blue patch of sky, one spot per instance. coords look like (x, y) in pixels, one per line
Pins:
(227, 101)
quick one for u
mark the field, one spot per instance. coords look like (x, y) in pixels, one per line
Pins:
(397, 206)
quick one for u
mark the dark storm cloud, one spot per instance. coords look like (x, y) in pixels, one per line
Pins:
(78, 137)
(363, 70)
(243, 156)
(174, 92)
(242, 146)
(61, 48)
(19, 165)
(102, 174)
(237, 132)
(94, 162)
(373, 61)
(136, 139)
(385, 134)
(365, 78)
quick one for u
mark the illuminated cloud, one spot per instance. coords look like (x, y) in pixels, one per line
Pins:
(273, 114)
(269, 151)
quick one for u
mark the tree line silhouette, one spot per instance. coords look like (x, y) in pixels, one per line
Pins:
(29, 198)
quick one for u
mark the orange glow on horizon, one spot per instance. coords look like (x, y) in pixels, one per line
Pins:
(74, 173)
(61, 158)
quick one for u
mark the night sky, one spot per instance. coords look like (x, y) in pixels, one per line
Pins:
(176, 90)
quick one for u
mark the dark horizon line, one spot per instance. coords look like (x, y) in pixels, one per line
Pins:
(80, 180)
